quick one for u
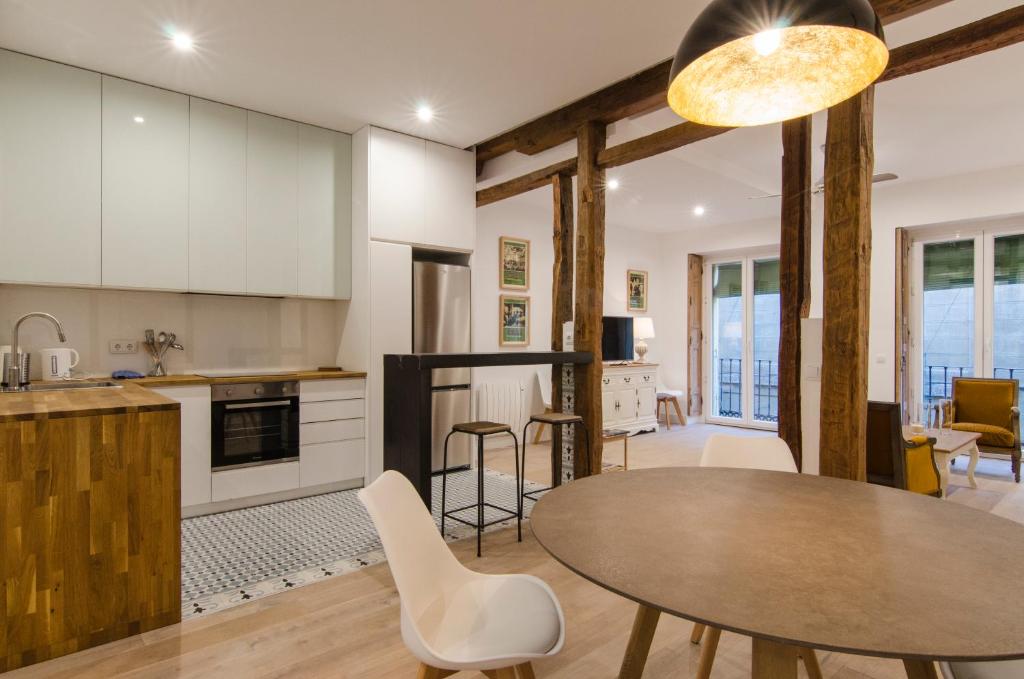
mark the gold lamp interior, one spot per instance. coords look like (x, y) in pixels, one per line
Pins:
(771, 77)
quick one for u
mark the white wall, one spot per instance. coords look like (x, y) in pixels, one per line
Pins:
(217, 332)
(624, 249)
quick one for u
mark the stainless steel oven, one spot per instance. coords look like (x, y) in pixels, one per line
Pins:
(254, 424)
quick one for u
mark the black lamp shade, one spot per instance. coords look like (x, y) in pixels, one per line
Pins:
(754, 62)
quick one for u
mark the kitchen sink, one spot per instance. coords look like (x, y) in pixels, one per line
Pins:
(60, 386)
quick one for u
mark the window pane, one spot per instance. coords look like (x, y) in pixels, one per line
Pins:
(766, 340)
(948, 316)
(1008, 308)
(727, 339)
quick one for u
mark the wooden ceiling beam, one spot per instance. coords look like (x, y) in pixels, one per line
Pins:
(985, 35)
(640, 93)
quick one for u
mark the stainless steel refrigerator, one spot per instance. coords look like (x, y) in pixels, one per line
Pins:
(441, 309)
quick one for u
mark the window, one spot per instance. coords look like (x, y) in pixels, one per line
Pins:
(742, 357)
(970, 315)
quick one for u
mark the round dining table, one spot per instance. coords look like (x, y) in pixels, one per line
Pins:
(794, 561)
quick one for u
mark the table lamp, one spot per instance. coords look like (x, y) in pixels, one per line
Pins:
(643, 329)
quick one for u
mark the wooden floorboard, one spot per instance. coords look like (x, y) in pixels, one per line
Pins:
(348, 626)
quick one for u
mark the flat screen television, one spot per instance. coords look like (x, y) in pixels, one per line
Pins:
(617, 338)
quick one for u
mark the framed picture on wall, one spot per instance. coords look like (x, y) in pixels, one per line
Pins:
(514, 321)
(514, 263)
(636, 290)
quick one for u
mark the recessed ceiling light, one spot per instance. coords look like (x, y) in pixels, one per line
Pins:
(183, 41)
(613, 184)
(699, 211)
(767, 42)
(425, 113)
(139, 119)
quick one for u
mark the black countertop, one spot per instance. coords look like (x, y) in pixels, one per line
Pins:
(480, 360)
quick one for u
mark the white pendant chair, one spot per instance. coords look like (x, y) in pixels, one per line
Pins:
(453, 618)
(768, 453)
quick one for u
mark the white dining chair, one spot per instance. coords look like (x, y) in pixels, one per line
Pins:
(1006, 669)
(769, 453)
(453, 618)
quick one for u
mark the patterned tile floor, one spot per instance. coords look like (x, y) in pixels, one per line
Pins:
(237, 556)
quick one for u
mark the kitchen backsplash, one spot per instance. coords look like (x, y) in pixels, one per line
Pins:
(218, 332)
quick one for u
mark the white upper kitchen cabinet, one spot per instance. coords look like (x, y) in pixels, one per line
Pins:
(49, 172)
(420, 192)
(145, 186)
(449, 207)
(325, 213)
(216, 197)
(271, 196)
(396, 166)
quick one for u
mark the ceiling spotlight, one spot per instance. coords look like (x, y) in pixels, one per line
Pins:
(748, 63)
(182, 41)
(699, 211)
(425, 113)
(613, 184)
(139, 119)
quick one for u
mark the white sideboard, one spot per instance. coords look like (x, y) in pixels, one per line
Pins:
(629, 396)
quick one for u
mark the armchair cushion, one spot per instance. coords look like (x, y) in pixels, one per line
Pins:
(991, 435)
(921, 476)
(984, 401)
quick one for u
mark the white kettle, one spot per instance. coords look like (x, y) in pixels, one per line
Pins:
(56, 364)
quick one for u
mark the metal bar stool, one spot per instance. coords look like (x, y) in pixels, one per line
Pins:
(481, 430)
(554, 420)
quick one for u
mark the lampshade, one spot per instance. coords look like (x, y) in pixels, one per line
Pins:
(643, 328)
(754, 62)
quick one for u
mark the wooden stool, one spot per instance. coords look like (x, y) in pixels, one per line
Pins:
(481, 430)
(665, 398)
(612, 435)
(554, 420)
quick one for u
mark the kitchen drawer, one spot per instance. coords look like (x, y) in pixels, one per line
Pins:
(331, 462)
(322, 411)
(336, 430)
(270, 478)
(331, 390)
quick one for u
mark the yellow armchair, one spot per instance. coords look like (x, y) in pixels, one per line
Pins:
(894, 461)
(990, 407)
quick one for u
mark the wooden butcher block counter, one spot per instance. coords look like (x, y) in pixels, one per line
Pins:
(89, 519)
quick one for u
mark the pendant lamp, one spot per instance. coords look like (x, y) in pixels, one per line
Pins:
(754, 62)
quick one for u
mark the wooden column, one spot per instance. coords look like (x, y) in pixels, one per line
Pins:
(561, 297)
(794, 274)
(849, 163)
(694, 333)
(589, 291)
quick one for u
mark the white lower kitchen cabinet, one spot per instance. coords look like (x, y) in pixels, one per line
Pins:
(195, 442)
(629, 397)
(251, 481)
(333, 461)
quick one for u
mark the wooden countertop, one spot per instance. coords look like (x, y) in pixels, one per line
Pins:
(299, 375)
(43, 405)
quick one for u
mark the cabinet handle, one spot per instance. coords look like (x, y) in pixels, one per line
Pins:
(628, 379)
(606, 381)
(647, 378)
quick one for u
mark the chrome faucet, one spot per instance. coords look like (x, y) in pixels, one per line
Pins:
(15, 380)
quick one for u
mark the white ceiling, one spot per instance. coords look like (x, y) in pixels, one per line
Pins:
(484, 65)
(960, 118)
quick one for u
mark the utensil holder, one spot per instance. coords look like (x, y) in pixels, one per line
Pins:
(23, 368)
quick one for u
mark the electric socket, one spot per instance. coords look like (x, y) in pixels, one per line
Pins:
(123, 346)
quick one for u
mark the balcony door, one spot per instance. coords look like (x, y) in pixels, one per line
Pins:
(969, 308)
(742, 340)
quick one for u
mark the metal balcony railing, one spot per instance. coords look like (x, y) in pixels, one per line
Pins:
(766, 389)
(938, 379)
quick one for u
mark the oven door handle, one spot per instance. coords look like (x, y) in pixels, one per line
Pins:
(261, 404)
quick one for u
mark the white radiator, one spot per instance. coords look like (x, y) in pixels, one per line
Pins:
(503, 402)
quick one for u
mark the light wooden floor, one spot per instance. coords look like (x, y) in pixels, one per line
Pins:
(349, 626)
